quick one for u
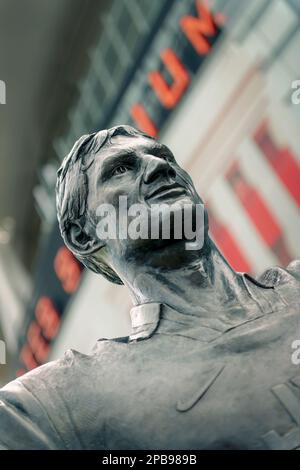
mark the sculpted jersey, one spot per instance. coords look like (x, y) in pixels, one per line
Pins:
(178, 382)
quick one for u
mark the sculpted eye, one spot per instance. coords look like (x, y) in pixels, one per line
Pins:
(168, 158)
(121, 169)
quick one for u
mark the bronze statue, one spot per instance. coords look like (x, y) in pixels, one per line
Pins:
(208, 363)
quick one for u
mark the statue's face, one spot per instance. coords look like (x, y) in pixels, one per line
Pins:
(147, 173)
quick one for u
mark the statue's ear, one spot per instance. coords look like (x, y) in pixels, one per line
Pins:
(82, 245)
(80, 242)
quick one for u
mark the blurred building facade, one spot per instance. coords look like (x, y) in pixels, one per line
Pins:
(214, 81)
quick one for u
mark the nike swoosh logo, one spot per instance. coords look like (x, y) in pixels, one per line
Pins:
(188, 403)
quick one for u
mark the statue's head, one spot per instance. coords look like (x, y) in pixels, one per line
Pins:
(100, 168)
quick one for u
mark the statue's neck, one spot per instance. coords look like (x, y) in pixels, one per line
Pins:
(203, 286)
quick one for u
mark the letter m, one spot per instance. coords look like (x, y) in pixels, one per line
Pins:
(2, 92)
(197, 29)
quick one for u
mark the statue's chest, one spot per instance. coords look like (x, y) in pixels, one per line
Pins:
(242, 392)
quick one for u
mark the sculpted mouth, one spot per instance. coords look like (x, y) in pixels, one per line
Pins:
(167, 191)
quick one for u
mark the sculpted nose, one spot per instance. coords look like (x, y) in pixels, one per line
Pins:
(157, 168)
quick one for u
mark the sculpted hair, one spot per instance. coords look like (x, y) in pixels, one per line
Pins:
(72, 189)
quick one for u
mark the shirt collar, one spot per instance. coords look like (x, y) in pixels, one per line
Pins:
(151, 318)
(144, 320)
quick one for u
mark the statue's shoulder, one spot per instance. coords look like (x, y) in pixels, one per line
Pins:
(276, 276)
(74, 364)
(294, 269)
(76, 385)
(68, 371)
(113, 342)
(107, 352)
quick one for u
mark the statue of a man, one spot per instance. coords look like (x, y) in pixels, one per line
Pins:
(209, 361)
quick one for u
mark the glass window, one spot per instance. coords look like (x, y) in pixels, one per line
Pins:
(128, 29)
(150, 8)
(111, 59)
